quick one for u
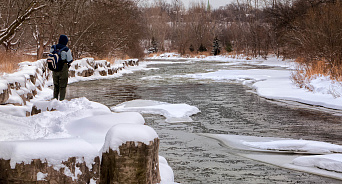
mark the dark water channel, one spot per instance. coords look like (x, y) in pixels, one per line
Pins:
(226, 108)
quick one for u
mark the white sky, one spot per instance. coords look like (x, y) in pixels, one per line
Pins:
(214, 3)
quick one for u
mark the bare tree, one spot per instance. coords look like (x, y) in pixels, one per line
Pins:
(16, 14)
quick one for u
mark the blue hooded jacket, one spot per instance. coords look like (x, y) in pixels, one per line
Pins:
(62, 42)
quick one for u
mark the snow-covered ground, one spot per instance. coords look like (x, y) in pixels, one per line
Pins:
(96, 119)
(77, 128)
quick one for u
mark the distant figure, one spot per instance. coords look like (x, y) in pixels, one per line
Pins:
(60, 78)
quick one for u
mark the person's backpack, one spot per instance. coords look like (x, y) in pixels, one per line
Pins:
(54, 60)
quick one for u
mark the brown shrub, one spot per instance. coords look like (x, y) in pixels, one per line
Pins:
(308, 70)
(9, 61)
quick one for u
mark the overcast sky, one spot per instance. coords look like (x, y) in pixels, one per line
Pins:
(214, 3)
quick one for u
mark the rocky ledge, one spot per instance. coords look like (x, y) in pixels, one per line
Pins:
(20, 87)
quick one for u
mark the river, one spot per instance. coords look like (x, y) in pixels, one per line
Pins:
(226, 108)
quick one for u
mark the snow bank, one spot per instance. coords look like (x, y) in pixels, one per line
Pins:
(276, 151)
(50, 135)
(26, 82)
(305, 146)
(331, 162)
(172, 112)
(276, 145)
(166, 172)
(30, 83)
(276, 83)
(94, 129)
(122, 133)
(53, 151)
(49, 124)
(89, 69)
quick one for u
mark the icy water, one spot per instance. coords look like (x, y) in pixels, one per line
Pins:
(226, 108)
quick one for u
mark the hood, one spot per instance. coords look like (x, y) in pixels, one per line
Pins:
(63, 39)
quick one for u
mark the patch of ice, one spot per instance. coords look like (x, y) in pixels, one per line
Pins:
(172, 112)
(158, 77)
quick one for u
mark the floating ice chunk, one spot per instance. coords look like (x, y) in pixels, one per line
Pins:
(172, 112)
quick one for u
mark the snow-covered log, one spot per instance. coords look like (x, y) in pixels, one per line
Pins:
(130, 155)
(71, 161)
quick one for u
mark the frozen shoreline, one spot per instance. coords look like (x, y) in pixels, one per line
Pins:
(75, 128)
(269, 83)
(274, 83)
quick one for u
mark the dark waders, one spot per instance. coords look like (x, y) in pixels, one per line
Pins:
(60, 82)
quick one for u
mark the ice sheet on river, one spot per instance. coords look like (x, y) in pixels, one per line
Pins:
(315, 157)
(172, 112)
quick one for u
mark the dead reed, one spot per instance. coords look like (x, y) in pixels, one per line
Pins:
(9, 61)
(306, 71)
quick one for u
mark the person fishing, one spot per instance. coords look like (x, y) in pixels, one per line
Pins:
(60, 67)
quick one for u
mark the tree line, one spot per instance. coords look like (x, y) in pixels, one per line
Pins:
(95, 27)
(307, 29)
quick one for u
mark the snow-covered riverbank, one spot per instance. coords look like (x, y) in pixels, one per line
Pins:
(272, 83)
(62, 130)
(269, 82)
